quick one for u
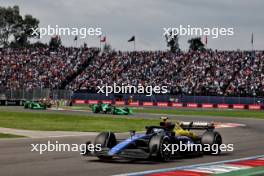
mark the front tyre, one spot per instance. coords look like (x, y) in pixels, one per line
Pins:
(157, 147)
(106, 140)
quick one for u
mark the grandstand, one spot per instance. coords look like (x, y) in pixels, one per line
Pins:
(214, 73)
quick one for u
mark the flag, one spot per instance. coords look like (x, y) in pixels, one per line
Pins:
(103, 39)
(252, 38)
(75, 38)
(131, 39)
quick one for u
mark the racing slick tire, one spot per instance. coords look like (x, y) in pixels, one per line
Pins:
(95, 110)
(157, 148)
(106, 140)
(113, 111)
(211, 138)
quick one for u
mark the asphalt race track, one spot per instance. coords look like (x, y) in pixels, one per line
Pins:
(16, 157)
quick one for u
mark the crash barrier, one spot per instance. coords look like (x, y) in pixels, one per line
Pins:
(170, 98)
(57, 94)
(146, 104)
(11, 102)
(54, 102)
(173, 104)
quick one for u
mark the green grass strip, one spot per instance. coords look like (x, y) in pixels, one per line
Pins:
(68, 122)
(5, 135)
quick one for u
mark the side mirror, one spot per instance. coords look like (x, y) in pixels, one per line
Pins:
(132, 132)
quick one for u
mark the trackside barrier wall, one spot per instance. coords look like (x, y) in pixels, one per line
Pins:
(170, 98)
(151, 104)
(39, 93)
(174, 105)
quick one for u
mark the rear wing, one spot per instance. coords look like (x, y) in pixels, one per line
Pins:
(197, 125)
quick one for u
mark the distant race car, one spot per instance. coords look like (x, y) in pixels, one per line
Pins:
(35, 105)
(151, 145)
(108, 108)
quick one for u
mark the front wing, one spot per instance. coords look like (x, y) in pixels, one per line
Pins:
(127, 153)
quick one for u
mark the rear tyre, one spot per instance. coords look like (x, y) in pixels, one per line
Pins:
(113, 111)
(157, 147)
(85, 150)
(106, 140)
(212, 139)
(95, 110)
(44, 106)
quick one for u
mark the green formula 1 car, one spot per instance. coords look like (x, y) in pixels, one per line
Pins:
(35, 105)
(108, 108)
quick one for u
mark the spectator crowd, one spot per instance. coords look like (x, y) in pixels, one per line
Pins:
(225, 73)
(39, 67)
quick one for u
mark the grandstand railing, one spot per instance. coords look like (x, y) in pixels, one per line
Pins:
(35, 94)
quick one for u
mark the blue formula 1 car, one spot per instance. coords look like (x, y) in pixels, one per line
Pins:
(157, 143)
